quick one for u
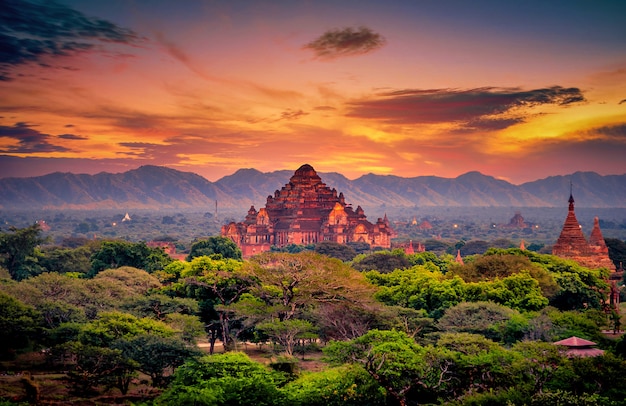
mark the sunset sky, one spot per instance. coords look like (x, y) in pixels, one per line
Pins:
(517, 90)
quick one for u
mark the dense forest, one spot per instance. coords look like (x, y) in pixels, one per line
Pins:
(119, 322)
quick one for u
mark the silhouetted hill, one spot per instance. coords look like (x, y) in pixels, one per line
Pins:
(143, 188)
(155, 187)
(589, 188)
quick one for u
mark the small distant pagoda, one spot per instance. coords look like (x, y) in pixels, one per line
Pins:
(306, 211)
(517, 221)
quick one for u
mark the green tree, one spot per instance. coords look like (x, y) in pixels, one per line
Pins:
(64, 260)
(58, 298)
(536, 366)
(112, 326)
(160, 306)
(224, 379)
(419, 287)
(94, 366)
(19, 325)
(383, 262)
(115, 254)
(223, 247)
(291, 283)
(347, 385)
(100, 350)
(410, 321)
(216, 284)
(335, 250)
(398, 364)
(135, 281)
(482, 364)
(288, 332)
(155, 355)
(484, 318)
(578, 287)
(518, 291)
(19, 253)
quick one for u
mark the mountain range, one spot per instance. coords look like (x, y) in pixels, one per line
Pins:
(157, 187)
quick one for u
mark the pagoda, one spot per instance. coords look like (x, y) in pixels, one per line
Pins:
(306, 211)
(572, 244)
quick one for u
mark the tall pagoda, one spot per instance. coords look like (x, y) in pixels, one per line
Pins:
(572, 243)
(306, 211)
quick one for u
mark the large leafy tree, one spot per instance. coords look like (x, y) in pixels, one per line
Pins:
(288, 332)
(221, 246)
(291, 283)
(335, 250)
(536, 366)
(578, 287)
(19, 253)
(64, 260)
(383, 262)
(485, 318)
(224, 379)
(347, 385)
(405, 369)
(419, 287)
(216, 284)
(107, 350)
(19, 325)
(482, 364)
(155, 355)
(115, 254)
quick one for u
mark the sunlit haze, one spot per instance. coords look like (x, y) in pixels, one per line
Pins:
(516, 90)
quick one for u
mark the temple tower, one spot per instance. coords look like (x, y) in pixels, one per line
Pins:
(306, 211)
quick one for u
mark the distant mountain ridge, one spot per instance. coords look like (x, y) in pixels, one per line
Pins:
(157, 187)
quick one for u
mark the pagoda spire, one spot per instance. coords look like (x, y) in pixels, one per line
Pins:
(571, 239)
(459, 258)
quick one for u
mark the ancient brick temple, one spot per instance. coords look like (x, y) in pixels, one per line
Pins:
(572, 244)
(306, 211)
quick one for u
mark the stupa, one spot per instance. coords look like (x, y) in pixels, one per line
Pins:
(572, 243)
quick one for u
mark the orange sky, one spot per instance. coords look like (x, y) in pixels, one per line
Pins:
(410, 88)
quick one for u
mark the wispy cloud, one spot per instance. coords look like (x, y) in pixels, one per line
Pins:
(345, 42)
(292, 114)
(31, 31)
(482, 108)
(72, 137)
(28, 140)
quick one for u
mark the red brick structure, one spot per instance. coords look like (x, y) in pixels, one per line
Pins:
(306, 211)
(593, 254)
(572, 244)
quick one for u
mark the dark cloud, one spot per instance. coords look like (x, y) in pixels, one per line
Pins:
(72, 137)
(345, 42)
(28, 140)
(31, 31)
(324, 108)
(622, 101)
(615, 131)
(472, 109)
